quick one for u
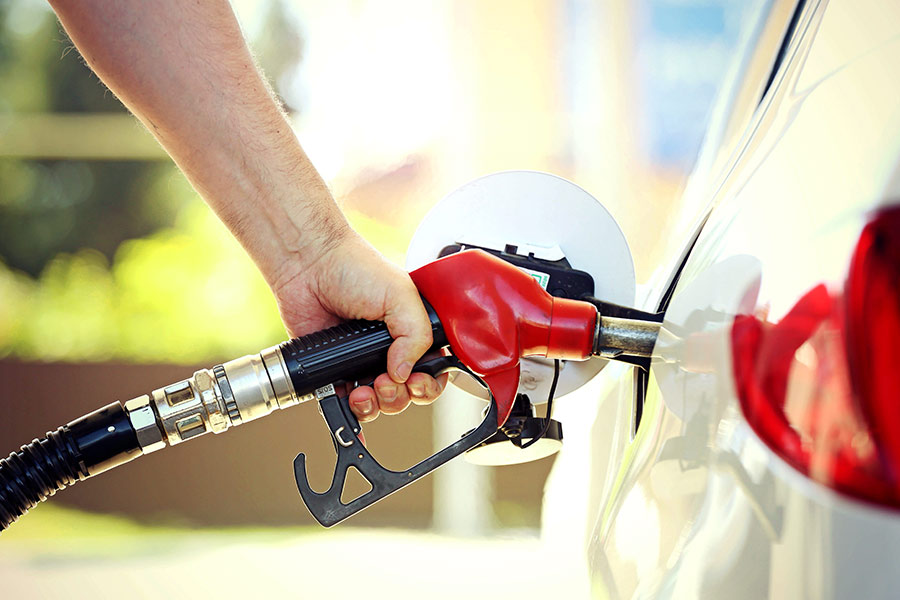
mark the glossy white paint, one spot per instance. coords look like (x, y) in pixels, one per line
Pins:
(699, 506)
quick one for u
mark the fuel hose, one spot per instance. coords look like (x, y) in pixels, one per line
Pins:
(85, 447)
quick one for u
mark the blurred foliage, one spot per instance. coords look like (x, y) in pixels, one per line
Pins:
(53, 206)
(116, 259)
(183, 294)
(40, 69)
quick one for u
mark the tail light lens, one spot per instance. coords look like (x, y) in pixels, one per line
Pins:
(821, 386)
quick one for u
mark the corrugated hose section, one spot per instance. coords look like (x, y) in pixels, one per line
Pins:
(36, 472)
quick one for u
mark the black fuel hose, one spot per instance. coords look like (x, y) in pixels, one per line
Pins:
(85, 447)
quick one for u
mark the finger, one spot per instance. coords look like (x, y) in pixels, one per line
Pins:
(392, 396)
(424, 389)
(364, 404)
(420, 387)
(408, 324)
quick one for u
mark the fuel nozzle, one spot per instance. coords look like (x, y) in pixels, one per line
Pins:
(495, 315)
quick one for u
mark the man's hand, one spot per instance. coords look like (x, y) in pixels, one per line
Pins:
(184, 70)
(350, 280)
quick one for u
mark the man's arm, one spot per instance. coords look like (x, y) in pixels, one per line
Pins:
(184, 70)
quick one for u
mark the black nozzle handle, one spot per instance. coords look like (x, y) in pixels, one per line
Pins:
(345, 353)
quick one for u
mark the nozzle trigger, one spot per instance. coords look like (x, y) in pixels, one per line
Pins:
(327, 507)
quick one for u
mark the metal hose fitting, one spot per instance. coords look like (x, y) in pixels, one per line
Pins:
(213, 400)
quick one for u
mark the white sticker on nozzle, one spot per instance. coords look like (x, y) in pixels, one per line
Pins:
(542, 278)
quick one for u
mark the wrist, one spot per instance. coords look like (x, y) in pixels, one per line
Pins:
(302, 224)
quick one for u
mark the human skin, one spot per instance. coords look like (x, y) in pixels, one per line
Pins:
(184, 69)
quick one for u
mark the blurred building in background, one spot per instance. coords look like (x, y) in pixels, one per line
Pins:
(108, 257)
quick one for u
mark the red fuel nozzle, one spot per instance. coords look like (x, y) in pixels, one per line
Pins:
(493, 314)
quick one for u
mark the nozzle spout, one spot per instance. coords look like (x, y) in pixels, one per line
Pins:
(616, 336)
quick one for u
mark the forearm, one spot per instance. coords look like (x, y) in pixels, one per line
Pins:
(185, 71)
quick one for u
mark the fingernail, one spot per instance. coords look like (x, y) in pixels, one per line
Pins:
(416, 389)
(403, 371)
(388, 392)
(366, 407)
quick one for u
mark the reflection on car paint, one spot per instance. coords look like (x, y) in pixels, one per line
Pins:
(818, 386)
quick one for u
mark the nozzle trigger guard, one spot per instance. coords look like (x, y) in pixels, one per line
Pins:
(327, 507)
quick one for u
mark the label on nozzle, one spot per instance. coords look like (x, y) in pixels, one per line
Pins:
(542, 278)
(325, 391)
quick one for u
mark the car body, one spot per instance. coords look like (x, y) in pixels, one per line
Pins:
(718, 473)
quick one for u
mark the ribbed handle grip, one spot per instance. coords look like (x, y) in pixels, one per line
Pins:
(345, 352)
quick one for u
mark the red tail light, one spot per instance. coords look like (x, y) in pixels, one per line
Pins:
(822, 386)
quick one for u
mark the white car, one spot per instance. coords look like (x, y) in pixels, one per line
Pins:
(760, 455)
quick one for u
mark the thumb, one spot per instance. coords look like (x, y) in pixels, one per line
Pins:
(408, 324)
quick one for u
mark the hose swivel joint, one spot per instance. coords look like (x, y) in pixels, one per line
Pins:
(213, 400)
